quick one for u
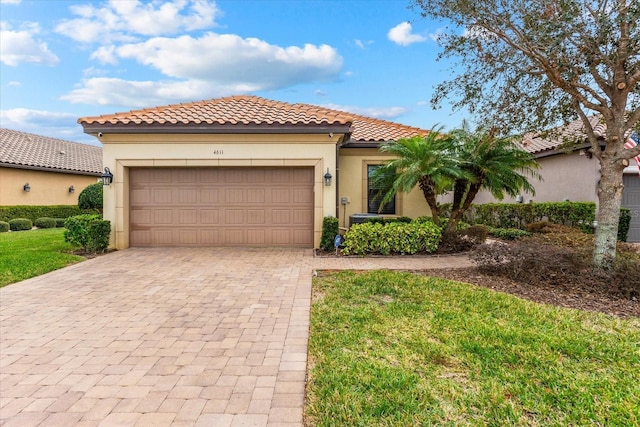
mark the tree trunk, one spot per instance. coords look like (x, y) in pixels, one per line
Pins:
(610, 190)
(463, 195)
(427, 187)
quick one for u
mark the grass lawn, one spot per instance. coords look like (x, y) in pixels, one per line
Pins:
(397, 349)
(25, 254)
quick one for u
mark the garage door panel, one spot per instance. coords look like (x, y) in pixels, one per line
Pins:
(221, 206)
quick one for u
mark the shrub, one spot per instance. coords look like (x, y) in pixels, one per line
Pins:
(4, 227)
(90, 232)
(91, 197)
(20, 224)
(463, 240)
(45, 222)
(60, 222)
(391, 238)
(624, 224)
(508, 233)
(330, 228)
(35, 212)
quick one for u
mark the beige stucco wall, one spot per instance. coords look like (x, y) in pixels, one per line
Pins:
(47, 188)
(565, 176)
(353, 185)
(123, 151)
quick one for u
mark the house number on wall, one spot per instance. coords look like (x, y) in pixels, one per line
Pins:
(218, 152)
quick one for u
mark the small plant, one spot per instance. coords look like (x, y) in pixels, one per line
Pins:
(4, 227)
(91, 197)
(60, 222)
(45, 222)
(330, 228)
(90, 232)
(624, 224)
(508, 233)
(20, 224)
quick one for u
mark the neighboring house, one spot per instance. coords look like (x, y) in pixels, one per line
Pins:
(38, 170)
(240, 170)
(573, 174)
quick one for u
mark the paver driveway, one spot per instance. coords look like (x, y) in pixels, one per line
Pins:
(179, 336)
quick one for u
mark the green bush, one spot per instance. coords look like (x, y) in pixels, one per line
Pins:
(34, 212)
(508, 233)
(4, 226)
(392, 238)
(20, 224)
(330, 228)
(45, 222)
(60, 222)
(624, 224)
(91, 197)
(90, 232)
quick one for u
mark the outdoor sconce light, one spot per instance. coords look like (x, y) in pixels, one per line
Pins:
(327, 178)
(106, 177)
(26, 187)
(71, 189)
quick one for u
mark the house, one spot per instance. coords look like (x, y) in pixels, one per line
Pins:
(573, 174)
(39, 170)
(240, 171)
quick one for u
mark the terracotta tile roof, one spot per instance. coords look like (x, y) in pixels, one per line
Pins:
(539, 142)
(255, 111)
(41, 152)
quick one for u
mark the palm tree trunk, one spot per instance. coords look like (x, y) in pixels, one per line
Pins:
(426, 185)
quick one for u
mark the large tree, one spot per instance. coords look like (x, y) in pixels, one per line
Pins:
(528, 65)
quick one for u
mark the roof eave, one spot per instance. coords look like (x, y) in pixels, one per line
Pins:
(121, 128)
(48, 169)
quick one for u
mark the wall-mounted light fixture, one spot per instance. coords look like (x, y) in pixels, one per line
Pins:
(519, 198)
(26, 187)
(327, 178)
(71, 189)
(106, 177)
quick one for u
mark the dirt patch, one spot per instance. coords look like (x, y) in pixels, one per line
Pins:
(579, 296)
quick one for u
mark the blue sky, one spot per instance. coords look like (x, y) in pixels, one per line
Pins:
(61, 60)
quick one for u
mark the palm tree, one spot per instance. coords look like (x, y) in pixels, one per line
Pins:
(492, 163)
(428, 162)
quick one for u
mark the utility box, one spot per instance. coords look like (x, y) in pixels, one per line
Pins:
(360, 218)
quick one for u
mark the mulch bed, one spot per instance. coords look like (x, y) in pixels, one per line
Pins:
(578, 296)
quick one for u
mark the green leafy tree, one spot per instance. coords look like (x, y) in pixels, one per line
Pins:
(91, 197)
(491, 163)
(527, 65)
(428, 162)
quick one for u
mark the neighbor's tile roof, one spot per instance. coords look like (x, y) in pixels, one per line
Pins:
(551, 140)
(37, 151)
(253, 110)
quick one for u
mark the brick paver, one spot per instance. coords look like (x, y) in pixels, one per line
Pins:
(167, 336)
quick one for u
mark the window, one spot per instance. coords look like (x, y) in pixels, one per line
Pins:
(375, 195)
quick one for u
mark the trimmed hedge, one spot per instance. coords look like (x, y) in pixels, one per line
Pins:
(392, 238)
(45, 222)
(60, 222)
(330, 228)
(515, 215)
(34, 212)
(90, 232)
(91, 197)
(20, 224)
(4, 226)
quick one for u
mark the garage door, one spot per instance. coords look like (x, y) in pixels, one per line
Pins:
(631, 200)
(221, 207)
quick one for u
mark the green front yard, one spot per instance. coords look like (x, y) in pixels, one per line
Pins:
(25, 254)
(397, 349)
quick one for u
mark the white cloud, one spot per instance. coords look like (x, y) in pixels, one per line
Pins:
(359, 43)
(229, 59)
(114, 91)
(20, 117)
(14, 83)
(105, 55)
(10, 1)
(213, 65)
(22, 46)
(376, 112)
(401, 34)
(125, 20)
